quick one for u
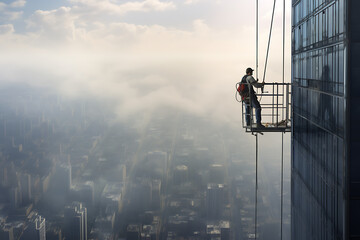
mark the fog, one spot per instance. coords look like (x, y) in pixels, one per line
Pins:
(104, 102)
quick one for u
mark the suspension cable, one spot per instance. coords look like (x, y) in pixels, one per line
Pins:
(268, 47)
(282, 186)
(257, 39)
(282, 135)
(256, 183)
(256, 135)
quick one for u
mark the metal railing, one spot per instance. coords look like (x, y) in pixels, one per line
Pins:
(275, 109)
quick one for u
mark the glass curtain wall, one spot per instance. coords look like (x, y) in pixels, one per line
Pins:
(318, 140)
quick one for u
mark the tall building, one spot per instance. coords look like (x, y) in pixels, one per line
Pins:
(63, 177)
(214, 200)
(133, 232)
(181, 173)
(217, 173)
(25, 182)
(35, 228)
(325, 167)
(15, 197)
(40, 228)
(7, 233)
(75, 222)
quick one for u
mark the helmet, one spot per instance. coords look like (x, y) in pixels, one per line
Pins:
(249, 70)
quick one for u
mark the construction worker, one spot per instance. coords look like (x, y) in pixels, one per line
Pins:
(248, 78)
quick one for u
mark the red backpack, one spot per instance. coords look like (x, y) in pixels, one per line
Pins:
(243, 89)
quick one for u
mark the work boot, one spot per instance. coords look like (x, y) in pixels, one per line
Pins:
(259, 125)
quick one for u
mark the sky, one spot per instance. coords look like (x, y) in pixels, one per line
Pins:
(142, 54)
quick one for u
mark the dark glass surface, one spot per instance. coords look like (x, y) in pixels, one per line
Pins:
(318, 78)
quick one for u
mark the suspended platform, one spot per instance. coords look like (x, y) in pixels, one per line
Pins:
(275, 109)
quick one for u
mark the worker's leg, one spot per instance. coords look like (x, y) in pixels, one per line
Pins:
(247, 114)
(256, 105)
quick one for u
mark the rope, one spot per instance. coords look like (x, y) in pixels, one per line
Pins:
(268, 47)
(283, 59)
(237, 93)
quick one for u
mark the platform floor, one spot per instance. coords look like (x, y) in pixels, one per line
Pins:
(269, 127)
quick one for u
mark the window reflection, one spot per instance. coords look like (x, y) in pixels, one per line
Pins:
(318, 120)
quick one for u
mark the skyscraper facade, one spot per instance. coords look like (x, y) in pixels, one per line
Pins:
(214, 200)
(325, 170)
(40, 228)
(75, 222)
(35, 228)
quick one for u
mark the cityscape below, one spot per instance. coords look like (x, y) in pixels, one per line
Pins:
(69, 169)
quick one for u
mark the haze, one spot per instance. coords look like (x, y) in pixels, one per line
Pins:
(140, 67)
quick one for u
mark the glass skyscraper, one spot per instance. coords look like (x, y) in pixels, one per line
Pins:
(326, 119)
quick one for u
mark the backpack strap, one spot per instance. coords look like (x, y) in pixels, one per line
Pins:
(243, 80)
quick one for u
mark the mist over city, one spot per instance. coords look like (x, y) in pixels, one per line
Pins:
(118, 121)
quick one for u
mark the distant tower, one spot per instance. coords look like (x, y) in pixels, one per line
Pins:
(35, 228)
(214, 200)
(83, 193)
(155, 193)
(40, 228)
(63, 176)
(180, 174)
(75, 222)
(15, 197)
(25, 182)
(133, 232)
(7, 233)
(217, 173)
(123, 172)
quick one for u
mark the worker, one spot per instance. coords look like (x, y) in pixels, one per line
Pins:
(249, 79)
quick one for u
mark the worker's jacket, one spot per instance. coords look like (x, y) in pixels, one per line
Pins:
(250, 79)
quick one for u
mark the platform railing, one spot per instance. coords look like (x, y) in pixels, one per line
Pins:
(275, 109)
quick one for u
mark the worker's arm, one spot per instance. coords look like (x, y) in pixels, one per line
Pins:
(252, 81)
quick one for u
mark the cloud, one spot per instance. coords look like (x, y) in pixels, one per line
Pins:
(114, 7)
(55, 25)
(18, 3)
(2, 6)
(200, 26)
(8, 15)
(64, 24)
(134, 84)
(189, 2)
(138, 67)
(12, 15)
(6, 29)
(77, 22)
